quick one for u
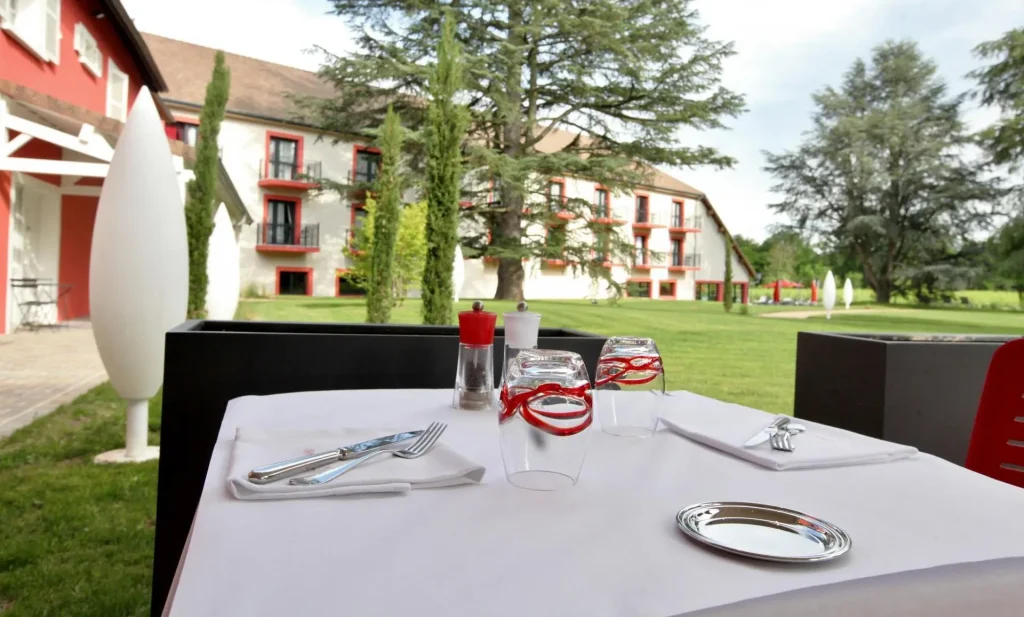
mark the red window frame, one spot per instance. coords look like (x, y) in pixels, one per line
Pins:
(650, 286)
(670, 282)
(680, 212)
(267, 198)
(636, 208)
(338, 273)
(277, 278)
(356, 149)
(299, 153)
(646, 248)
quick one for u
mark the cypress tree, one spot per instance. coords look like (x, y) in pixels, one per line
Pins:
(202, 190)
(385, 221)
(727, 293)
(446, 126)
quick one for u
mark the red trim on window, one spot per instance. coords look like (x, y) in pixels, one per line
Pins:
(352, 226)
(338, 273)
(650, 286)
(356, 149)
(268, 197)
(277, 278)
(266, 181)
(672, 283)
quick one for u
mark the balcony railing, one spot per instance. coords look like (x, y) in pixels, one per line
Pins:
(692, 260)
(690, 222)
(646, 217)
(288, 235)
(365, 176)
(311, 172)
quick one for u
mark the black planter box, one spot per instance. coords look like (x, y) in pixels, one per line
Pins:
(916, 389)
(208, 363)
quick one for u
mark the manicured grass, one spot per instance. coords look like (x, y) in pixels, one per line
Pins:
(76, 539)
(983, 298)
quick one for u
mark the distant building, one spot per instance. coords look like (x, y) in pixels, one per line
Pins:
(296, 245)
(69, 72)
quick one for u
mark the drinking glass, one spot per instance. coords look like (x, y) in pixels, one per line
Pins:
(544, 413)
(629, 389)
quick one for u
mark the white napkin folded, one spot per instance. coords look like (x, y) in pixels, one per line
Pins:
(255, 447)
(726, 427)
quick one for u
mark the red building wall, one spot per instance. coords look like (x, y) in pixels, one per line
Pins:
(77, 216)
(69, 80)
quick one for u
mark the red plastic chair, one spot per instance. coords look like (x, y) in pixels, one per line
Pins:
(997, 441)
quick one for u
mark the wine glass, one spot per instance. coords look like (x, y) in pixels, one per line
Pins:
(629, 389)
(545, 410)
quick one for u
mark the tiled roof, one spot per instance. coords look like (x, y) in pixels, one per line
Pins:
(258, 88)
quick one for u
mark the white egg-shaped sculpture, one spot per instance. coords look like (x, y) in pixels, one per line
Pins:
(138, 269)
(222, 269)
(828, 294)
(848, 293)
(458, 273)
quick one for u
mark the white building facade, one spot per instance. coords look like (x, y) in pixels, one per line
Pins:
(297, 242)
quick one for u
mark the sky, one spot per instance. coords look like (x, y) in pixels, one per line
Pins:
(786, 51)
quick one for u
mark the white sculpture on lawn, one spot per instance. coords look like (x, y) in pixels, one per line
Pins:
(848, 293)
(828, 294)
(222, 269)
(138, 269)
(458, 273)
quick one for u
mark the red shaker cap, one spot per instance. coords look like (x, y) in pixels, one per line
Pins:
(476, 327)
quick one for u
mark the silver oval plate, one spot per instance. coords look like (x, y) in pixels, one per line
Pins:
(763, 532)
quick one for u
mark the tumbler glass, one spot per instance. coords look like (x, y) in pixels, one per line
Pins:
(629, 389)
(544, 413)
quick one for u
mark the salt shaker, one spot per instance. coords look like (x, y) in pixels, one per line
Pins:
(474, 372)
(521, 329)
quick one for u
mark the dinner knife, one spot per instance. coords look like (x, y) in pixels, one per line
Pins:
(766, 433)
(295, 466)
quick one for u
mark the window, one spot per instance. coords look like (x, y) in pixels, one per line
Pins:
(602, 209)
(641, 255)
(280, 223)
(554, 242)
(677, 214)
(293, 282)
(35, 24)
(667, 289)
(556, 194)
(88, 52)
(187, 132)
(642, 211)
(638, 289)
(283, 158)
(677, 252)
(348, 286)
(358, 220)
(367, 166)
(117, 92)
(707, 291)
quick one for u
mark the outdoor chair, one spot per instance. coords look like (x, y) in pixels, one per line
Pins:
(38, 301)
(997, 441)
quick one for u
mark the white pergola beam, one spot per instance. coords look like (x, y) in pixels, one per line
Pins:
(93, 145)
(54, 167)
(12, 146)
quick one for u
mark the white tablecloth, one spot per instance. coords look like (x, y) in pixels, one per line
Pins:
(929, 538)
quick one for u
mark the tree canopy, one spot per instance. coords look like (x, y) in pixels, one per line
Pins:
(591, 88)
(885, 176)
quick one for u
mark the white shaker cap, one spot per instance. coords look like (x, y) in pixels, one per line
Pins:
(521, 328)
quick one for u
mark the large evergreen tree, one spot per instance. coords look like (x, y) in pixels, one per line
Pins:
(385, 221)
(201, 191)
(883, 176)
(445, 131)
(623, 75)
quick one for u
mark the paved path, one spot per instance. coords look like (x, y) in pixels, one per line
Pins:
(39, 371)
(821, 311)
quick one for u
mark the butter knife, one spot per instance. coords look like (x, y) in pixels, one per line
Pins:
(295, 466)
(766, 433)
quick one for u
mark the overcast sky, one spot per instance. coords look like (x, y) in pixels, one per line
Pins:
(787, 49)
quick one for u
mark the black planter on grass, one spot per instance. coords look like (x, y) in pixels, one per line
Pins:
(916, 389)
(208, 363)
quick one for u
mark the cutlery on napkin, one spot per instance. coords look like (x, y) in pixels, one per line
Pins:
(442, 466)
(726, 427)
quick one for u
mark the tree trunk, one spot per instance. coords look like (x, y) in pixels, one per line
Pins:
(509, 226)
(883, 291)
(510, 279)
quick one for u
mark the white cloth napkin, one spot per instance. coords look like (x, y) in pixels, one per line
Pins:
(726, 427)
(254, 447)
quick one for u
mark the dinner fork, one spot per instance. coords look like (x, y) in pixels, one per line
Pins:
(781, 441)
(416, 449)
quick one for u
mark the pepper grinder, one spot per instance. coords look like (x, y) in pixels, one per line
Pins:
(521, 329)
(474, 372)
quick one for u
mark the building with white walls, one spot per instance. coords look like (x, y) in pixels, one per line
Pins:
(296, 244)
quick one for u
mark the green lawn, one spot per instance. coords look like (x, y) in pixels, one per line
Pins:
(76, 538)
(983, 298)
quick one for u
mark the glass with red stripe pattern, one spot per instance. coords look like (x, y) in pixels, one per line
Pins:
(545, 409)
(629, 389)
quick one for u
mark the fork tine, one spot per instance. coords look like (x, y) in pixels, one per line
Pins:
(425, 439)
(421, 448)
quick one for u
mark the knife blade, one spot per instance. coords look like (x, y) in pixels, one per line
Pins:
(302, 464)
(766, 433)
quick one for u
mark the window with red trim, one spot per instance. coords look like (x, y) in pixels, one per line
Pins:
(667, 289)
(638, 289)
(640, 254)
(294, 282)
(358, 220)
(677, 252)
(677, 214)
(602, 204)
(283, 161)
(367, 166)
(187, 132)
(554, 242)
(280, 225)
(556, 194)
(643, 212)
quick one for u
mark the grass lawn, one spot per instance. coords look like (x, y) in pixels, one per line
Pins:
(76, 539)
(984, 298)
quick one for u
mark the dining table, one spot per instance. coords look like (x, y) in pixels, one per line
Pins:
(929, 538)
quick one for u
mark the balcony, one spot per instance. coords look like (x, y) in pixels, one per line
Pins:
(689, 224)
(646, 219)
(287, 238)
(287, 175)
(604, 215)
(682, 263)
